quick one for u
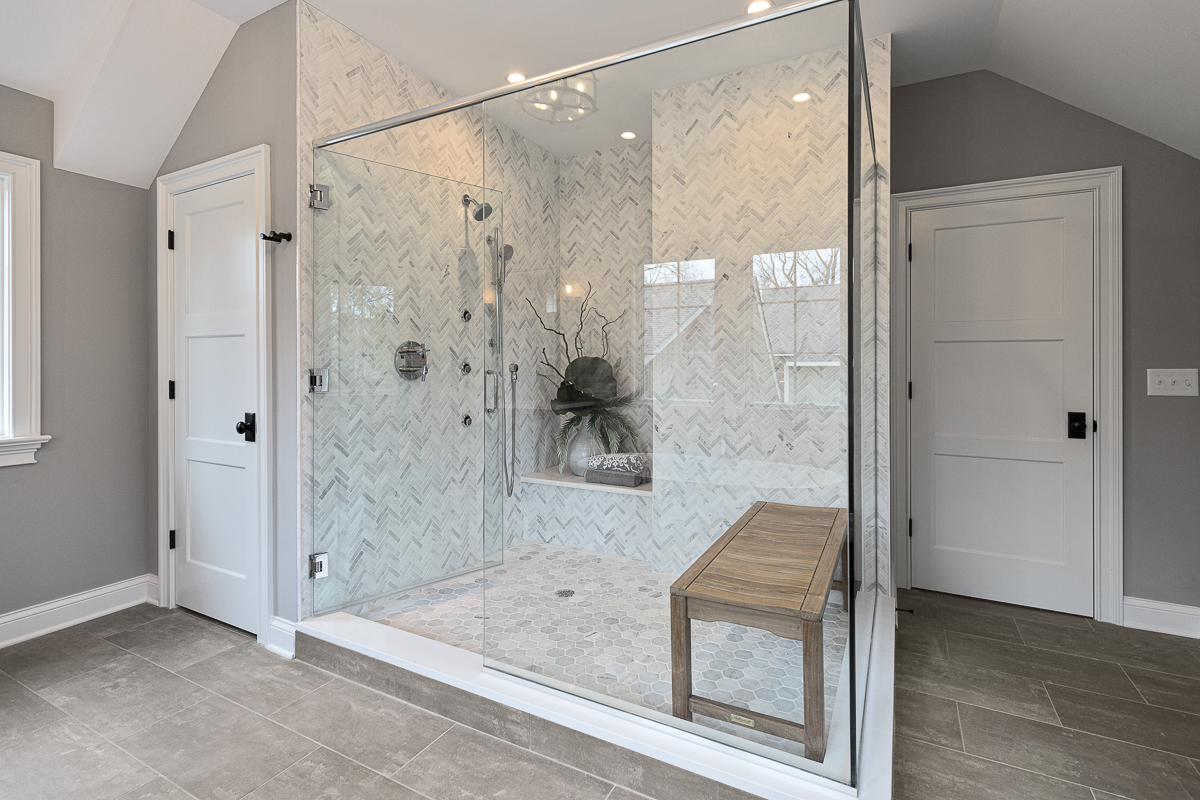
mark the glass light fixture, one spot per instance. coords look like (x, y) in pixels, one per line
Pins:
(565, 100)
(515, 77)
(628, 135)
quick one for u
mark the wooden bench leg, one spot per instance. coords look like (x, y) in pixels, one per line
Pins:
(814, 691)
(681, 658)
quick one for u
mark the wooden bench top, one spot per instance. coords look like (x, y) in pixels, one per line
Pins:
(777, 558)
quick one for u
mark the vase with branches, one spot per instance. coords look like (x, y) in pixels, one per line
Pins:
(587, 392)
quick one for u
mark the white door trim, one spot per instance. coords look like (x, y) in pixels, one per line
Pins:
(1105, 186)
(254, 161)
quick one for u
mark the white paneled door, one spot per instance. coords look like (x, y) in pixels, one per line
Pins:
(215, 413)
(1001, 355)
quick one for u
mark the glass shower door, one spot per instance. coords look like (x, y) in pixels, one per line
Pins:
(401, 435)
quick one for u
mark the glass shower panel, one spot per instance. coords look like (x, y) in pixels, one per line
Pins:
(694, 229)
(402, 327)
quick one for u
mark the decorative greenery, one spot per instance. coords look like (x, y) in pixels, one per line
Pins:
(587, 389)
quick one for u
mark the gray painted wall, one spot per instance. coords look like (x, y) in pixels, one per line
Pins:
(251, 99)
(76, 520)
(981, 127)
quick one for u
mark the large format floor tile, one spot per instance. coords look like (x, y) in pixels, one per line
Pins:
(178, 640)
(1160, 654)
(378, 731)
(930, 617)
(157, 789)
(1072, 755)
(66, 761)
(982, 687)
(55, 657)
(1170, 691)
(218, 750)
(465, 764)
(324, 775)
(1016, 612)
(1042, 665)
(123, 696)
(927, 772)
(928, 718)
(1146, 725)
(255, 677)
(124, 620)
(22, 711)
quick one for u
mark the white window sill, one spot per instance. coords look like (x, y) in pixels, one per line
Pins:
(20, 449)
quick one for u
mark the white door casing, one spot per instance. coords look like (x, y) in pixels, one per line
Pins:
(214, 342)
(1001, 351)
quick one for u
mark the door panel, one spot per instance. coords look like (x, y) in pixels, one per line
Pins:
(1001, 350)
(216, 369)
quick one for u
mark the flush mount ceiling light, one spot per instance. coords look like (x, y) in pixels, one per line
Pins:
(757, 6)
(802, 97)
(515, 77)
(566, 100)
(628, 135)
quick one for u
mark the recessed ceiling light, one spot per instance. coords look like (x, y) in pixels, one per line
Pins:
(628, 135)
(516, 77)
(803, 97)
(757, 6)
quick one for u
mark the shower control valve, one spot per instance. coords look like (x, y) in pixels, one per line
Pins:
(466, 420)
(466, 315)
(466, 368)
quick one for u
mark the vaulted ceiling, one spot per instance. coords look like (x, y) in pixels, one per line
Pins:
(125, 74)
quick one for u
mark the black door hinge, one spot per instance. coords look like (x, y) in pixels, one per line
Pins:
(171, 241)
(910, 527)
(910, 390)
(170, 390)
(171, 544)
(910, 251)
(1095, 426)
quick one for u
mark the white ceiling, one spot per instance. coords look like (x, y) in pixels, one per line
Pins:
(1130, 62)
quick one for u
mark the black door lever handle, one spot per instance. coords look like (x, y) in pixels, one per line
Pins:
(246, 428)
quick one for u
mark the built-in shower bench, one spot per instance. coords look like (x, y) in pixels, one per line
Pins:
(772, 570)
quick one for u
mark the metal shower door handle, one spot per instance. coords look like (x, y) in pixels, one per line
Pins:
(491, 373)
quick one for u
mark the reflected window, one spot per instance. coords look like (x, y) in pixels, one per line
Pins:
(678, 321)
(798, 348)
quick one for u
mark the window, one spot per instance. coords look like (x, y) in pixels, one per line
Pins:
(20, 310)
(798, 294)
(679, 328)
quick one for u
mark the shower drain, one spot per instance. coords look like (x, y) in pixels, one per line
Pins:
(565, 592)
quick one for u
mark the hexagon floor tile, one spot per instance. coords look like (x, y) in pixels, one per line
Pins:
(602, 623)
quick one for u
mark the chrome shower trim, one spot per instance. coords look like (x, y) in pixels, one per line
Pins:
(629, 55)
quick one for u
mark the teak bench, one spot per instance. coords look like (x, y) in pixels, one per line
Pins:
(772, 570)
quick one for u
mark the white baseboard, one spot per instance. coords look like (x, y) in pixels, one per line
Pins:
(1155, 615)
(153, 596)
(26, 623)
(281, 638)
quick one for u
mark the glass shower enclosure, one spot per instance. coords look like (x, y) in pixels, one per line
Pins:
(680, 242)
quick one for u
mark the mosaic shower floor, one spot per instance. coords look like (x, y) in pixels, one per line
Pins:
(602, 623)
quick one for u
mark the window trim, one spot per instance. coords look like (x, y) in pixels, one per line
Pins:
(21, 271)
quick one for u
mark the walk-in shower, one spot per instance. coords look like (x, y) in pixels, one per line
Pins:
(712, 280)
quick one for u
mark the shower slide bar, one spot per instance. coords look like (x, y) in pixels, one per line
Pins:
(629, 55)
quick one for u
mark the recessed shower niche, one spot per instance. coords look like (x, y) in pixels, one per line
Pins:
(721, 263)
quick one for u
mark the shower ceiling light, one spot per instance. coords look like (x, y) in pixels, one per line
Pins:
(757, 6)
(515, 77)
(628, 135)
(566, 100)
(803, 97)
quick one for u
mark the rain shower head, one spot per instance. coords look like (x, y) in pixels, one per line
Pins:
(482, 210)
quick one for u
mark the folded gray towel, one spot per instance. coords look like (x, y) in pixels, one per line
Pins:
(617, 462)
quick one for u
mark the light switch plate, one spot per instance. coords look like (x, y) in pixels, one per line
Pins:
(1179, 382)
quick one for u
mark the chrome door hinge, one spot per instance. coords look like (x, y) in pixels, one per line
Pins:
(318, 196)
(318, 380)
(318, 565)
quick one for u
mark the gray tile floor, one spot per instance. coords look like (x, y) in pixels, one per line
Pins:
(997, 701)
(149, 704)
(612, 633)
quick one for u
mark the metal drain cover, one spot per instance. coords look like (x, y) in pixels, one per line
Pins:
(565, 592)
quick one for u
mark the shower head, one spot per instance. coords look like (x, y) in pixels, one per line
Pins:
(482, 210)
(506, 254)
